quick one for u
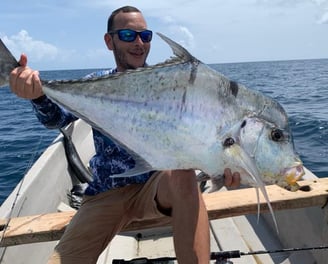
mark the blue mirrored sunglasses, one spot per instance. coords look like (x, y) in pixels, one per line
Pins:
(129, 35)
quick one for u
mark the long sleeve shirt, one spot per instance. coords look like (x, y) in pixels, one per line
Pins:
(110, 158)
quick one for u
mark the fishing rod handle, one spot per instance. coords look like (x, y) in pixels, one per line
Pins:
(225, 255)
(144, 260)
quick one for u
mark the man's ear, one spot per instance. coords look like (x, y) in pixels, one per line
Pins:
(109, 41)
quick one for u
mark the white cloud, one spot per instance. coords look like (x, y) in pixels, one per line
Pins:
(323, 11)
(324, 18)
(321, 6)
(37, 50)
(186, 37)
(181, 34)
(43, 55)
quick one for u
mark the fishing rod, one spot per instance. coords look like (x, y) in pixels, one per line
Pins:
(221, 256)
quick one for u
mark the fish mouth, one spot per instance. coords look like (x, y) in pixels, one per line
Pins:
(291, 176)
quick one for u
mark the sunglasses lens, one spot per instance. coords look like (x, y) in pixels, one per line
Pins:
(127, 35)
(146, 35)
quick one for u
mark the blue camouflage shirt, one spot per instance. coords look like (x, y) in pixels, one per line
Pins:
(110, 158)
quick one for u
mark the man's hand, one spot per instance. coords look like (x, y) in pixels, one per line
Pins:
(231, 180)
(25, 82)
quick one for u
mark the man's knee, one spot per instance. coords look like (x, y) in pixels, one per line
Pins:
(177, 185)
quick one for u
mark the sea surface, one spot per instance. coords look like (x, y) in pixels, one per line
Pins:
(301, 86)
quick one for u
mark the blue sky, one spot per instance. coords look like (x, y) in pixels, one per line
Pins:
(61, 34)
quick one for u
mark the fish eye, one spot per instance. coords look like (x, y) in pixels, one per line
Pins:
(277, 134)
(228, 142)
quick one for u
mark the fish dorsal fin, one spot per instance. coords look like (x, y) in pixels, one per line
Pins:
(177, 49)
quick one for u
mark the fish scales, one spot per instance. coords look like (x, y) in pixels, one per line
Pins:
(172, 114)
(156, 120)
(182, 114)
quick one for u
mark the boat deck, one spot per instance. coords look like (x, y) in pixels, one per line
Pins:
(242, 233)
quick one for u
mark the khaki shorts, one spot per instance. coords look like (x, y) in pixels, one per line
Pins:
(104, 215)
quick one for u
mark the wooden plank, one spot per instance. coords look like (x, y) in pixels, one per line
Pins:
(244, 201)
(49, 227)
(36, 228)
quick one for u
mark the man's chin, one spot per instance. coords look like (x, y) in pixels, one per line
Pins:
(135, 66)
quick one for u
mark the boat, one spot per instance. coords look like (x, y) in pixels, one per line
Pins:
(44, 191)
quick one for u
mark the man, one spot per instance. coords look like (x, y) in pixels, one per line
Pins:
(112, 203)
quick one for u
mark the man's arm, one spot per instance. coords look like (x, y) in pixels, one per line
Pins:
(26, 83)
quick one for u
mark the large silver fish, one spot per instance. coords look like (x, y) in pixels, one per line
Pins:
(182, 114)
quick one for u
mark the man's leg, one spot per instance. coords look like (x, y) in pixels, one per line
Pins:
(179, 191)
(98, 220)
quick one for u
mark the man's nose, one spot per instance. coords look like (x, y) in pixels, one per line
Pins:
(138, 40)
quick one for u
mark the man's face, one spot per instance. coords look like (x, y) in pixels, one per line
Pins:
(128, 55)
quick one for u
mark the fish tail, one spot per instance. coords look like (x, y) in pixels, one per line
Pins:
(7, 64)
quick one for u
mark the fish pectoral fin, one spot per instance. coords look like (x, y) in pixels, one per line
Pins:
(137, 170)
(141, 167)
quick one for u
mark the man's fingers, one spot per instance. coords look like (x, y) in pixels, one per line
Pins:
(21, 82)
(23, 60)
(235, 179)
(37, 85)
(231, 179)
(24, 81)
(227, 177)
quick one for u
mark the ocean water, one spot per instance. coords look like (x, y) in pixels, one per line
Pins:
(301, 87)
